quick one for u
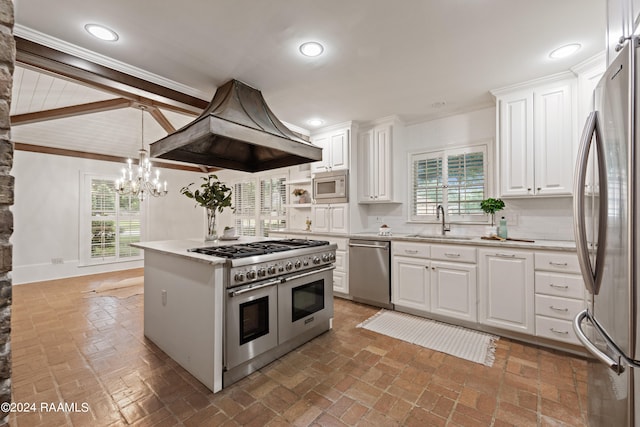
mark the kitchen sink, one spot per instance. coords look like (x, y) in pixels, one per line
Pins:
(439, 236)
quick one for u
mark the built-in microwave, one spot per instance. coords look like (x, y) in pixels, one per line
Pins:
(331, 187)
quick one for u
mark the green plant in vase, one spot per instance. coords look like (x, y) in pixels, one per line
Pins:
(212, 195)
(491, 206)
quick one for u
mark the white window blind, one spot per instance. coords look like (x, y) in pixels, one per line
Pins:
(453, 178)
(114, 222)
(260, 205)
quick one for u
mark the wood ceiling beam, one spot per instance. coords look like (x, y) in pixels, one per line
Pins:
(104, 157)
(73, 110)
(98, 76)
(162, 120)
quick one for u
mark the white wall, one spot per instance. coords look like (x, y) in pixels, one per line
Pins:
(47, 208)
(543, 218)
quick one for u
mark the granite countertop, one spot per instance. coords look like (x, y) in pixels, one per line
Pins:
(559, 245)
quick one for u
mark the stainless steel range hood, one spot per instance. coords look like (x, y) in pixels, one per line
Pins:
(236, 131)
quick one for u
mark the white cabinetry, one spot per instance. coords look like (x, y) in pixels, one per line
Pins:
(341, 272)
(536, 138)
(559, 295)
(411, 276)
(335, 150)
(375, 179)
(330, 218)
(453, 282)
(506, 287)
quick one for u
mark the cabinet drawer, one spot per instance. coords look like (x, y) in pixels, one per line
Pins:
(560, 308)
(556, 329)
(453, 253)
(418, 250)
(562, 285)
(557, 261)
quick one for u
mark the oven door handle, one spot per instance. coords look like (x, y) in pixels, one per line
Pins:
(254, 288)
(308, 273)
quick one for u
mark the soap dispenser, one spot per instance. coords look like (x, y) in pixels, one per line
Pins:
(502, 228)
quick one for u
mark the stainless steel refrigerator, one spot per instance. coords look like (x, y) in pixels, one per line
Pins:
(606, 222)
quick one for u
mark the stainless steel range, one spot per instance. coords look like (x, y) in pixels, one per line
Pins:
(279, 296)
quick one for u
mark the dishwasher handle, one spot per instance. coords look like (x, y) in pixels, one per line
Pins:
(359, 245)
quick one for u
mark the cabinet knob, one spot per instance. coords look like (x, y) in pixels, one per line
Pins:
(539, 188)
(528, 189)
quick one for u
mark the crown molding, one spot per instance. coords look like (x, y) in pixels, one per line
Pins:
(80, 52)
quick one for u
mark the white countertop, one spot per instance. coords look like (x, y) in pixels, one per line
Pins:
(559, 245)
(180, 247)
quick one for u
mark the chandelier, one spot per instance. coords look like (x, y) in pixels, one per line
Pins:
(137, 181)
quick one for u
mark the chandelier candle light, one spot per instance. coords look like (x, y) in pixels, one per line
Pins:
(139, 183)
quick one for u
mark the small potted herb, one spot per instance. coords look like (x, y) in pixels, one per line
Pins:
(491, 206)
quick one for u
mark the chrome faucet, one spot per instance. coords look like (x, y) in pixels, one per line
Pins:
(444, 227)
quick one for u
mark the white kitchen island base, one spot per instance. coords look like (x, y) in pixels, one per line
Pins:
(183, 312)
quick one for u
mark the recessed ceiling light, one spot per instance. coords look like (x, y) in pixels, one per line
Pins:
(103, 33)
(311, 49)
(439, 104)
(315, 122)
(565, 51)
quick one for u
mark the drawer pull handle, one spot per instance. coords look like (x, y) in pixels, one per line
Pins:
(558, 264)
(411, 251)
(555, 331)
(451, 255)
(558, 286)
(506, 255)
(558, 309)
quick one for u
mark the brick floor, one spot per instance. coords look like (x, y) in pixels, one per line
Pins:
(71, 346)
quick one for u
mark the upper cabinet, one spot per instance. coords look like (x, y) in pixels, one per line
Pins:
(375, 164)
(335, 150)
(537, 137)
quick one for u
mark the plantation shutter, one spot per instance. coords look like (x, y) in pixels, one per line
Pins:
(245, 208)
(273, 197)
(466, 183)
(427, 178)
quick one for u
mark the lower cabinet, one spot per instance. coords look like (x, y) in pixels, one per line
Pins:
(453, 290)
(506, 288)
(410, 284)
(560, 295)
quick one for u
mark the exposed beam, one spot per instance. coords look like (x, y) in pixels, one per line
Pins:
(95, 75)
(162, 120)
(104, 157)
(73, 110)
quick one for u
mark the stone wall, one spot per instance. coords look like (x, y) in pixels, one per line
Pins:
(7, 62)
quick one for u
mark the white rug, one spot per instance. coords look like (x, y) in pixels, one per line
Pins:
(457, 341)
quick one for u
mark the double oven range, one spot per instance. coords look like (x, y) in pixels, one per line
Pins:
(279, 295)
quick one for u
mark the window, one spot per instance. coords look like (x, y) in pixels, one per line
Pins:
(109, 223)
(259, 204)
(452, 178)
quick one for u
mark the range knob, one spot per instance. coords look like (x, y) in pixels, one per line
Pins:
(325, 257)
(305, 262)
(271, 269)
(280, 269)
(297, 264)
(316, 260)
(332, 256)
(239, 277)
(262, 272)
(289, 266)
(251, 274)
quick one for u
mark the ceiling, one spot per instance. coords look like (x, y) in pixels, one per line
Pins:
(381, 58)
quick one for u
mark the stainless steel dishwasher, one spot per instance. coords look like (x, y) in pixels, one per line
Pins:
(369, 272)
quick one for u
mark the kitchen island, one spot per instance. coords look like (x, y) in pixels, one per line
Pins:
(223, 310)
(184, 306)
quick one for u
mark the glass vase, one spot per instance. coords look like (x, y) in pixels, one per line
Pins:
(212, 234)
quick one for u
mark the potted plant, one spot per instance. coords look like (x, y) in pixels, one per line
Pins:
(491, 206)
(212, 195)
(302, 194)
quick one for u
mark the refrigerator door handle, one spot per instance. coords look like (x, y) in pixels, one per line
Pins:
(615, 366)
(592, 274)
